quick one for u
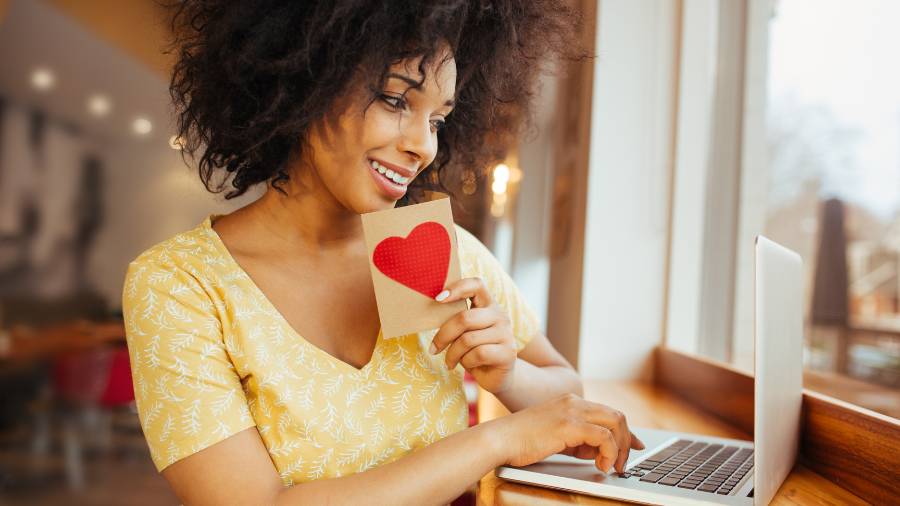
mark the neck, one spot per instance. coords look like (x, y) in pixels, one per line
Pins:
(307, 217)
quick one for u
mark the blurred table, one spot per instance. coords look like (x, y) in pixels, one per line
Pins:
(650, 406)
(24, 345)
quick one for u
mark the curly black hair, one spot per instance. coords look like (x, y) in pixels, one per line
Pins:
(252, 76)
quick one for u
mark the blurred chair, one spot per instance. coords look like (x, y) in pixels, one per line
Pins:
(90, 388)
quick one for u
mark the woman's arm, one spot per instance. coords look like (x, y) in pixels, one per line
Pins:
(540, 373)
(483, 340)
(238, 470)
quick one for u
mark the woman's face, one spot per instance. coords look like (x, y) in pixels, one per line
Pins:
(366, 157)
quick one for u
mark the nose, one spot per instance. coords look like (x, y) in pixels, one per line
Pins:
(416, 139)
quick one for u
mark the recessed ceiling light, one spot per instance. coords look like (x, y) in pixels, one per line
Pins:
(99, 105)
(176, 142)
(141, 126)
(43, 79)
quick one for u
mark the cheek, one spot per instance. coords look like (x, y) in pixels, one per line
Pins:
(378, 128)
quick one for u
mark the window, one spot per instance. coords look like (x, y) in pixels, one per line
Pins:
(833, 131)
(789, 126)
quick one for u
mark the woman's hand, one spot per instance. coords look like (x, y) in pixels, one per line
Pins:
(479, 338)
(572, 426)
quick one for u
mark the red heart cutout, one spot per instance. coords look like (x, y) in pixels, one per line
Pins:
(420, 261)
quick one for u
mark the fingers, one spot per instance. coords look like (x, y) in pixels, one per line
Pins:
(636, 443)
(467, 343)
(586, 452)
(468, 320)
(466, 288)
(495, 354)
(614, 421)
(603, 440)
(581, 452)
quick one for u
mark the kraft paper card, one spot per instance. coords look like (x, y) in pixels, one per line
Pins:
(413, 256)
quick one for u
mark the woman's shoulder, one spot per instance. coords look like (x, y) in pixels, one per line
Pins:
(187, 259)
(473, 254)
(183, 250)
(467, 244)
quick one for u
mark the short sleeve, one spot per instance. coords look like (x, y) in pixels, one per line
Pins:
(477, 261)
(188, 394)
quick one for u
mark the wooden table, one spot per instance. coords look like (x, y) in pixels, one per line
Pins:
(649, 406)
(25, 345)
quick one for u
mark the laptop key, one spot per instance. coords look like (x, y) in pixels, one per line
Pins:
(687, 485)
(669, 480)
(652, 477)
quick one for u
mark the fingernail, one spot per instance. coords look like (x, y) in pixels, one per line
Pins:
(443, 295)
(432, 349)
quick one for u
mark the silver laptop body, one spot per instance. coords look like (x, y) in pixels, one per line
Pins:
(778, 384)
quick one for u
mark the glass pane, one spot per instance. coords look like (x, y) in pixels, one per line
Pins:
(834, 194)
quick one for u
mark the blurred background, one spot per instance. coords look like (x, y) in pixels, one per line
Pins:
(626, 215)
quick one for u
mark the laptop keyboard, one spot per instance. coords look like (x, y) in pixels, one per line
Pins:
(706, 467)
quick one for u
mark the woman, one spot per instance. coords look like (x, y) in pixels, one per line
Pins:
(261, 374)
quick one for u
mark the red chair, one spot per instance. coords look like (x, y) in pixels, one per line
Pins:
(90, 388)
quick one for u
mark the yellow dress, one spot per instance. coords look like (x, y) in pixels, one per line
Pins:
(211, 356)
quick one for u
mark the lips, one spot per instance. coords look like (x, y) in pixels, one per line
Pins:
(388, 188)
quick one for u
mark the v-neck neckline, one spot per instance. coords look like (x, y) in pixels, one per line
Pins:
(220, 244)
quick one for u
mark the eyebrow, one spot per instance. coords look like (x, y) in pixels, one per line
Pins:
(415, 84)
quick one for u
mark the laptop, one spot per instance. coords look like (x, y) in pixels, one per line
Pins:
(680, 468)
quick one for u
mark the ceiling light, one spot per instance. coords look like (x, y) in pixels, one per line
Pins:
(99, 105)
(176, 142)
(141, 126)
(43, 79)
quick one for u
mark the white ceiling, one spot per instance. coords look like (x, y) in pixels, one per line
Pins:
(34, 35)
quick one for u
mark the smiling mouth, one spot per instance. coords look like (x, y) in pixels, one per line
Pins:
(389, 174)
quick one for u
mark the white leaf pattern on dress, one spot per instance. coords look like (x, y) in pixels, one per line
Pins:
(332, 385)
(318, 467)
(401, 400)
(449, 399)
(375, 406)
(167, 429)
(222, 429)
(224, 402)
(350, 455)
(153, 353)
(360, 390)
(428, 392)
(191, 421)
(177, 312)
(292, 469)
(212, 356)
(284, 449)
(399, 437)
(152, 413)
(377, 435)
(164, 392)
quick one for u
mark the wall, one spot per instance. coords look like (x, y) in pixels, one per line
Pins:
(149, 193)
(626, 232)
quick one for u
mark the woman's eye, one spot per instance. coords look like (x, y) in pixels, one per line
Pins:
(438, 125)
(394, 102)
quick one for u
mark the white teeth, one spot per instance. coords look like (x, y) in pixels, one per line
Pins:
(388, 173)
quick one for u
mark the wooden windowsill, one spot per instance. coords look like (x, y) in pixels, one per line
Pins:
(655, 406)
(849, 445)
(848, 455)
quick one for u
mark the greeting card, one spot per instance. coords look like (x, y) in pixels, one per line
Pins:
(413, 256)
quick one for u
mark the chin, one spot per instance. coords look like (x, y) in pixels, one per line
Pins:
(374, 203)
